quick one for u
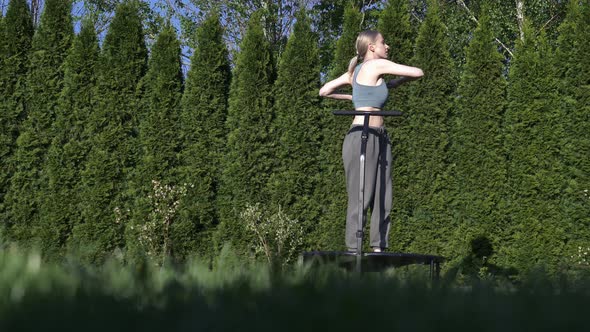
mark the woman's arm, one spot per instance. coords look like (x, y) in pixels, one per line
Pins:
(399, 81)
(407, 73)
(384, 67)
(330, 87)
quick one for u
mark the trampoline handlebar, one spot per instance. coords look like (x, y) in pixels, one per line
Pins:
(375, 113)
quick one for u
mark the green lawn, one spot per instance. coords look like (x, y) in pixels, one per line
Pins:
(234, 296)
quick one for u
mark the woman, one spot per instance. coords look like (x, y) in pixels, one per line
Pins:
(369, 93)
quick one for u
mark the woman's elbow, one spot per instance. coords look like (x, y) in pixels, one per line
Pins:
(323, 92)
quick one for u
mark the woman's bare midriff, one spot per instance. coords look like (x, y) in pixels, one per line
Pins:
(374, 121)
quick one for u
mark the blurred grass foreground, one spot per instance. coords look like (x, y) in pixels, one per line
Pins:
(230, 295)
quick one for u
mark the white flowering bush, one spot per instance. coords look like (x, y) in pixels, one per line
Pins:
(278, 237)
(154, 232)
(582, 257)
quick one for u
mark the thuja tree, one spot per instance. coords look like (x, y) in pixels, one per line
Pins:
(247, 162)
(394, 24)
(573, 70)
(296, 171)
(477, 169)
(113, 129)
(429, 105)
(460, 27)
(70, 145)
(161, 92)
(16, 35)
(2, 43)
(44, 83)
(535, 230)
(203, 134)
(331, 192)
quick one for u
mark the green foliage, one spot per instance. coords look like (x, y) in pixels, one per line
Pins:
(69, 148)
(459, 31)
(395, 25)
(534, 131)
(16, 34)
(143, 296)
(150, 231)
(296, 170)
(113, 129)
(424, 199)
(546, 16)
(247, 162)
(203, 133)
(477, 183)
(328, 18)
(160, 91)
(102, 154)
(277, 236)
(572, 64)
(44, 83)
(331, 192)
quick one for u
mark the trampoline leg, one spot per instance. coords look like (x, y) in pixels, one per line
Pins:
(361, 198)
(437, 271)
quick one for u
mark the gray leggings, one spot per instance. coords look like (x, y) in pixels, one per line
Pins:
(378, 186)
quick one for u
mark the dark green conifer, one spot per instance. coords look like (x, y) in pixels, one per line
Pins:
(203, 133)
(2, 42)
(460, 29)
(247, 163)
(572, 62)
(296, 127)
(113, 129)
(44, 84)
(394, 23)
(16, 35)
(69, 149)
(478, 165)
(424, 198)
(161, 92)
(533, 136)
(331, 192)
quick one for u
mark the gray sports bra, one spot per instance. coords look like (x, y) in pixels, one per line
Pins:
(367, 95)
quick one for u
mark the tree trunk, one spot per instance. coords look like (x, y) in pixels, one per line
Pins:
(520, 17)
(36, 10)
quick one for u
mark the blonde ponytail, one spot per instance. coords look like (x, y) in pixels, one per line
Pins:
(352, 64)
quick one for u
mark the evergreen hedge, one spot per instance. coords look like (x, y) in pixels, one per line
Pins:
(156, 171)
(247, 162)
(477, 184)
(395, 25)
(296, 128)
(495, 182)
(203, 132)
(16, 34)
(534, 132)
(69, 148)
(425, 198)
(331, 192)
(27, 192)
(572, 65)
(113, 130)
